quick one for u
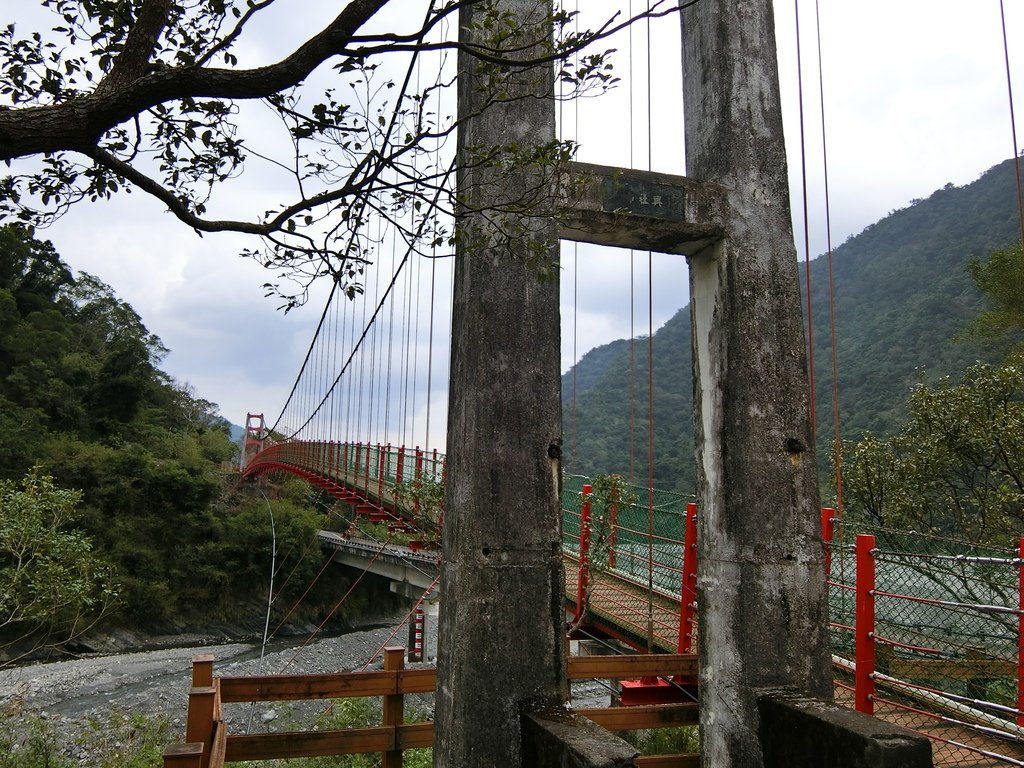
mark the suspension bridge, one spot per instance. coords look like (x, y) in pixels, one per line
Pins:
(370, 379)
(631, 574)
(633, 590)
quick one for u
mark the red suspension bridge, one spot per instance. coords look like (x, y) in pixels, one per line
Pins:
(931, 658)
(631, 569)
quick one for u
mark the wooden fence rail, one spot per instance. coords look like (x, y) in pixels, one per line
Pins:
(209, 745)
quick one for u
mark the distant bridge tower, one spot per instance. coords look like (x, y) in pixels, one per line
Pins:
(255, 440)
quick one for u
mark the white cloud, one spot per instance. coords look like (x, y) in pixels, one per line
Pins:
(915, 97)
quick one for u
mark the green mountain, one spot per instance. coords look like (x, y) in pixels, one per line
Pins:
(82, 397)
(902, 295)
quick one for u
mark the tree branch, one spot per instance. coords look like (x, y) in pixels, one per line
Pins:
(78, 124)
(182, 212)
(133, 61)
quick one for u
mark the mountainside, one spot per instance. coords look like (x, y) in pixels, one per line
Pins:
(83, 399)
(902, 294)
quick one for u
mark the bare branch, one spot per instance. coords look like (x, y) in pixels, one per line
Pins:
(233, 35)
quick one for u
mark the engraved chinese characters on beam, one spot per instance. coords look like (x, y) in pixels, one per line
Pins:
(645, 210)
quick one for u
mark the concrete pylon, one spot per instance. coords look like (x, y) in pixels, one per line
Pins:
(502, 621)
(762, 593)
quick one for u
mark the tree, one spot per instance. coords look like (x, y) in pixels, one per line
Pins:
(30, 269)
(52, 586)
(1001, 279)
(153, 94)
(956, 468)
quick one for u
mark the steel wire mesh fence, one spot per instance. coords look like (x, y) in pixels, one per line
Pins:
(927, 633)
(629, 544)
(644, 536)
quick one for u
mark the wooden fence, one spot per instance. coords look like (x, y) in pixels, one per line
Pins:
(209, 745)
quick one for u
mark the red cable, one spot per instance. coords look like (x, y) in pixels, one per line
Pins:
(430, 351)
(807, 228)
(575, 358)
(837, 442)
(402, 623)
(1013, 125)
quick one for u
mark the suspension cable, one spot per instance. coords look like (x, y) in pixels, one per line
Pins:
(632, 276)
(337, 605)
(807, 228)
(410, 249)
(650, 377)
(837, 441)
(1013, 126)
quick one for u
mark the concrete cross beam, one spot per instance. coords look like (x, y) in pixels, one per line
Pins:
(645, 210)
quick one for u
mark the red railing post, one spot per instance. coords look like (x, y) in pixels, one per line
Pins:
(613, 527)
(382, 458)
(417, 627)
(366, 476)
(400, 465)
(828, 532)
(1020, 636)
(419, 463)
(581, 582)
(864, 669)
(688, 585)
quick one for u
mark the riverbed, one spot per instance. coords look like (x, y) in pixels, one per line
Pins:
(70, 693)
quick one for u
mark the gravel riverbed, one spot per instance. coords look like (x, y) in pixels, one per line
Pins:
(68, 694)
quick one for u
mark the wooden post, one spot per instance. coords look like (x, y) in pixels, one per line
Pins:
(394, 706)
(864, 669)
(202, 707)
(183, 756)
(199, 725)
(202, 671)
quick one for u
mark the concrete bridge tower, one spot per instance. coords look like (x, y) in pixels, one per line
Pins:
(762, 590)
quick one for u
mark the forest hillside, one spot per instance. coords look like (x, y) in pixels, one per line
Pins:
(141, 463)
(902, 297)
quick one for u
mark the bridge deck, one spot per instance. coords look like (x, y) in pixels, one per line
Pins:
(618, 607)
(623, 609)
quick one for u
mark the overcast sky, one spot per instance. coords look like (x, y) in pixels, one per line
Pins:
(915, 98)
